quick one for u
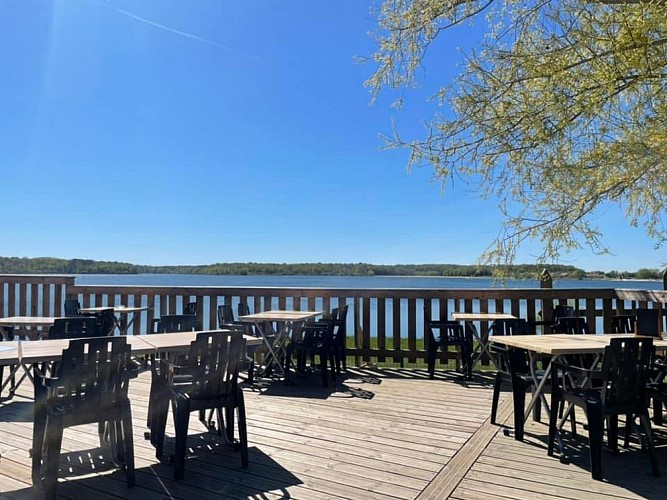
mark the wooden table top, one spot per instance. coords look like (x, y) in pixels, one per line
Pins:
(559, 344)
(28, 320)
(481, 316)
(280, 316)
(36, 351)
(182, 340)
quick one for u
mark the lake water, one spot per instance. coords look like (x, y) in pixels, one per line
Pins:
(354, 282)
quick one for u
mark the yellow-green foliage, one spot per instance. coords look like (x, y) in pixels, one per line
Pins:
(561, 111)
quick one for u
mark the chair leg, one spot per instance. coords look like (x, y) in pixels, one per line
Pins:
(612, 433)
(229, 423)
(159, 424)
(243, 431)
(595, 436)
(128, 442)
(324, 369)
(553, 415)
(181, 421)
(650, 444)
(497, 383)
(430, 361)
(657, 411)
(519, 399)
(54, 439)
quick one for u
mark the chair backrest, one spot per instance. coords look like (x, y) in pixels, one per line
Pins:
(179, 323)
(242, 309)
(106, 321)
(571, 325)
(93, 372)
(517, 326)
(561, 311)
(72, 307)
(625, 371)
(342, 320)
(623, 323)
(190, 308)
(74, 328)
(647, 322)
(441, 331)
(225, 315)
(214, 363)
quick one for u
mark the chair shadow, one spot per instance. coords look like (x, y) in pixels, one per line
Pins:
(211, 468)
(16, 411)
(629, 469)
(310, 386)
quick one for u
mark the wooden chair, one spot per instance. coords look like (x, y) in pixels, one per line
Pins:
(207, 379)
(90, 386)
(624, 372)
(443, 334)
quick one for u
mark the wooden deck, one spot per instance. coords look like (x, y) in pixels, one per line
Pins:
(389, 434)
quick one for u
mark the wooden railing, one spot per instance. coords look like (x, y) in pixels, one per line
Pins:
(385, 324)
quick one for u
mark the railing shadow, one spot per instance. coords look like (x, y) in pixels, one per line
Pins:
(12, 410)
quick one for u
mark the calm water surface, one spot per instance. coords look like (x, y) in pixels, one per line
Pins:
(359, 282)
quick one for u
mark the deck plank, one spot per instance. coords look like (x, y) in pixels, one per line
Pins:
(391, 434)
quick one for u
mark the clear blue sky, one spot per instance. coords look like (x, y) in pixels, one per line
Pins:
(194, 132)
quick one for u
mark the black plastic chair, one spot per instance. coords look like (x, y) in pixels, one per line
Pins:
(647, 322)
(319, 338)
(72, 307)
(574, 325)
(74, 327)
(624, 373)
(449, 333)
(178, 323)
(501, 358)
(106, 322)
(207, 379)
(91, 386)
(623, 323)
(341, 352)
(226, 321)
(190, 308)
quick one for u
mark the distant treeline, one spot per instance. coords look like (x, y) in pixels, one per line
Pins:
(49, 265)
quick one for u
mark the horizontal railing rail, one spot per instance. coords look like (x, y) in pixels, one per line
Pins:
(383, 324)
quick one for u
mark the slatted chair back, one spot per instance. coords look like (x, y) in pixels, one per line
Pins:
(72, 307)
(518, 326)
(242, 309)
(572, 325)
(442, 332)
(647, 322)
(93, 373)
(213, 362)
(625, 372)
(74, 328)
(190, 308)
(225, 315)
(179, 323)
(623, 323)
(561, 311)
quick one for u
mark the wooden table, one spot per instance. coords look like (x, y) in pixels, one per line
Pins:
(122, 312)
(483, 342)
(20, 354)
(288, 322)
(557, 346)
(8, 323)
